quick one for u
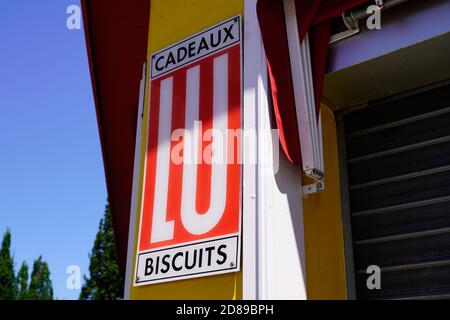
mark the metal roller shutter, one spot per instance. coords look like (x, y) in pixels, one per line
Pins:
(398, 166)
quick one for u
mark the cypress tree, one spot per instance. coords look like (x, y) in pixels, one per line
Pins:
(40, 285)
(7, 278)
(105, 281)
(22, 282)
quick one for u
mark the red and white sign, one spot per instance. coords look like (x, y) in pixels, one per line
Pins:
(190, 223)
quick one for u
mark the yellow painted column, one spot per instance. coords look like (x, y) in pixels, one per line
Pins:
(324, 239)
(171, 21)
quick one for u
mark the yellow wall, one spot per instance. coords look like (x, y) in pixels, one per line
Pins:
(171, 21)
(324, 242)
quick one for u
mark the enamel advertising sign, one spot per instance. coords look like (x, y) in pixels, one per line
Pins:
(190, 222)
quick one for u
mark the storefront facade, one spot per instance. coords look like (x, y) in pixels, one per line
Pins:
(379, 137)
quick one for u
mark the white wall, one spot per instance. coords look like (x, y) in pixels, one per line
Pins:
(273, 236)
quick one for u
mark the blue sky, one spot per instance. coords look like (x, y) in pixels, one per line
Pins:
(52, 185)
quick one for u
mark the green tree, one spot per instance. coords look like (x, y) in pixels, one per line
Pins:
(22, 282)
(40, 285)
(105, 281)
(7, 278)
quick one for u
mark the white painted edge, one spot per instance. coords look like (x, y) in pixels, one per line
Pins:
(264, 196)
(255, 83)
(273, 236)
(135, 188)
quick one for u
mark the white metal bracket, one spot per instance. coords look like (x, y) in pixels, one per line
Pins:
(315, 187)
(352, 28)
(315, 174)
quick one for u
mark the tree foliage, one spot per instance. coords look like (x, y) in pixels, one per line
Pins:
(22, 282)
(8, 288)
(17, 287)
(105, 281)
(40, 287)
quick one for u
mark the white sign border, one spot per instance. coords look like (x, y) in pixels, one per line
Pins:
(239, 41)
(200, 274)
(239, 233)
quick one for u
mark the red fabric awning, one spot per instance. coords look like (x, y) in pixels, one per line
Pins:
(116, 37)
(315, 17)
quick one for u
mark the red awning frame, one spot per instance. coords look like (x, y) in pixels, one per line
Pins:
(116, 39)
